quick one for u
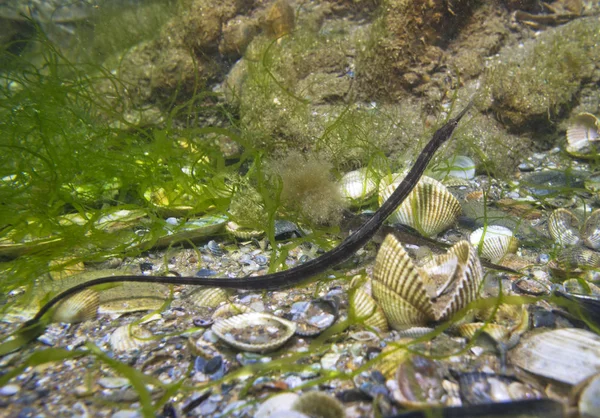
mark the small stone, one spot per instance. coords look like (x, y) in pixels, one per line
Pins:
(526, 167)
(113, 382)
(9, 390)
(127, 413)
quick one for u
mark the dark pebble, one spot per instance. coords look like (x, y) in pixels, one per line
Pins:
(213, 365)
(205, 273)
(146, 266)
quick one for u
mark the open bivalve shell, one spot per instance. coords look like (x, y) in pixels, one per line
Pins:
(363, 307)
(254, 332)
(358, 185)
(493, 242)
(581, 135)
(430, 208)
(409, 295)
(564, 227)
(130, 337)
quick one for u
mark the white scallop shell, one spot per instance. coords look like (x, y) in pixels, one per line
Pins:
(582, 132)
(493, 242)
(78, 308)
(254, 332)
(564, 227)
(460, 166)
(129, 337)
(358, 185)
(430, 208)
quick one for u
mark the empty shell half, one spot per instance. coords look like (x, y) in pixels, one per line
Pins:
(78, 308)
(563, 226)
(363, 308)
(430, 208)
(493, 242)
(406, 293)
(254, 332)
(129, 337)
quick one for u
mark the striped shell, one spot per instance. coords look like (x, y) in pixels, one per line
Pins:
(401, 288)
(129, 337)
(209, 297)
(564, 227)
(364, 309)
(358, 185)
(493, 242)
(254, 332)
(430, 208)
(590, 232)
(574, 262)
(584, 130)
(78, 308)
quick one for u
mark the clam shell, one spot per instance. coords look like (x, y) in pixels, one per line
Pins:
(568, 355)
(209, 297)
(129, 337)
(418, 383)
(590, 232)
(564, 227)
(242, 232)
(78, 308)
(439, 273)
(192, 230)
(574, 262)
(459, 166)
(575, 286)
(498, 332)
(254, 332)
(494, 242)
(581, 133)
(398, 286)
(364, 308)
(430, 208)
(230, 309)
(465, 286)
(358, 185)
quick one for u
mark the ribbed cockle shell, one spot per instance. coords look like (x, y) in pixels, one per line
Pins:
(430, 208)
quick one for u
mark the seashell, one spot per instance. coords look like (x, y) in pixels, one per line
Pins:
(568, 355)
(418, 382)
(254, 332)
(242, 232)
(78, 308)
(313, 317)
(358, 185)
(574, 262)
(581, 287)
(131, 297)
(363, 308)
(230, 309)
(581, 134)
(497, 332)
(493, 242)
(590, 232)
(564, 227)
(459, 166)
(278, 403)
(430, 208)
(400, 287)
(319, 405)
(61, 268)
(129, 337)
(209, 297)
(588, 397)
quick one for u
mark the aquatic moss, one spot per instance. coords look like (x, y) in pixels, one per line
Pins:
(532, 84)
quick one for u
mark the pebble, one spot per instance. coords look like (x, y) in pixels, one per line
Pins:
(113, 382)
(282, 402)
(127, 413)
(9, 390)
(526, 167)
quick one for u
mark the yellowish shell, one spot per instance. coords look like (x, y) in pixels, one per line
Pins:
(209, 297)
(78, 308)
(590, 232)
(365, 309)
(564, 227)
(129, 337)
(241, 232)
(582, 133)
(358, 185)
(400, 287)
(430, 208)
(494, 242)
(497, 332)
(254, 332)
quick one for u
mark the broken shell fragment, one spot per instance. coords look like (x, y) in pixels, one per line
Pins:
(430, 208)
(254, 332)
(493, 242)
(78, 308)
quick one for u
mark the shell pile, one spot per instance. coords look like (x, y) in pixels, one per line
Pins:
(430, 208)
(413, 296)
